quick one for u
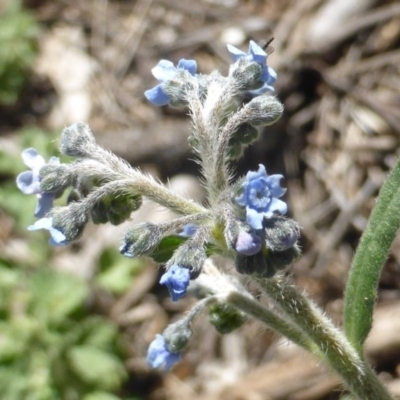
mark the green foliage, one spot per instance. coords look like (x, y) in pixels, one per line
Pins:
(115, 272)
(361, 290)
(51, 347)
(166, 248)
(18, 34)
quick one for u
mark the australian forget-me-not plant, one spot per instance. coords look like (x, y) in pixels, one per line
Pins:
(245, 219)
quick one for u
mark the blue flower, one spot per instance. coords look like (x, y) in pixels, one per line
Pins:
(258, 55)
(260, 197)
(158, 354)
(248, 244)
(165, 71)
(57, 237)
(29, 181)
(177, 280)
(188, 230)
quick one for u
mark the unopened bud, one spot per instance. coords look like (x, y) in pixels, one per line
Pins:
(283, 259)
(264, 110)
(256, 264)
(77, 140)
(280, 233)
(70, 220)
(177, 336)
(141, 240)
(246, 134)
(247, 74)
(55, 177)
(225, 318)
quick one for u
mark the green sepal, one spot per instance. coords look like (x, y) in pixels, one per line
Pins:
(372, 251)
(225, 318)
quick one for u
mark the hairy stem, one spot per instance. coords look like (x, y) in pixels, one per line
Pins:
(252, 307)
(337, 351)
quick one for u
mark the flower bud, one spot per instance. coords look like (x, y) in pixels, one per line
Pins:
(242, 240)
(256, 264)
(264, 110)
(246, 134)
(280, 233)
(190, 256)
(225, 318)
(235, 150)
(55, 178)
(247, 74)
(159, 354)
(70, 220)
(283, 259)
(121, 207)
(177, 336)
(77, 140)
(141, 240)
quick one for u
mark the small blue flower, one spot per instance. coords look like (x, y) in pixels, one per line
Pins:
(177, 280)
(260, 197)
(57, 237)
(188, 230)
(29, 181)
(164, 71)
(256, 54)
(158, 354)
(248, 244)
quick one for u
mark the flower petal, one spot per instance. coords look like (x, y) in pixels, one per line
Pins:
(158, 354)
(257, 53)
(28, 183)
(44, 223)
(276, 205)
(164, 70)
(157, 96)
(44, 205)
(177, 280)
(32, 158)
(188, 65)
(235, 53)
(254, 218)
(274, 184)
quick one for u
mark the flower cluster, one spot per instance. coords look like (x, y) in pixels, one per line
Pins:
(244, 219)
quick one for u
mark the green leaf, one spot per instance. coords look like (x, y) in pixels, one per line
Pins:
(361, 290)
(166, 248)
(100, 396)
(116, 273)
(97, 367)
(56, 294)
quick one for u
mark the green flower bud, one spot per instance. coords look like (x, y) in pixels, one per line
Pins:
(77, 140)
(246, 134)
(280, 233)
(256, 264)
(141, 240)
(264, 110)
(225, 318)
(247, 74)
(283, 259)
(70, 220)
(235, 150)
(177, 336)
(55, 178)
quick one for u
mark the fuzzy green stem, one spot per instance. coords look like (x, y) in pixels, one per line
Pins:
(252, 307)
(338, 352)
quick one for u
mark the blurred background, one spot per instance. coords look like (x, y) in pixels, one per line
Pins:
(75, 322)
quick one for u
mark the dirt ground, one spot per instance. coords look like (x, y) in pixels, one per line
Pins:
(338, 65)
